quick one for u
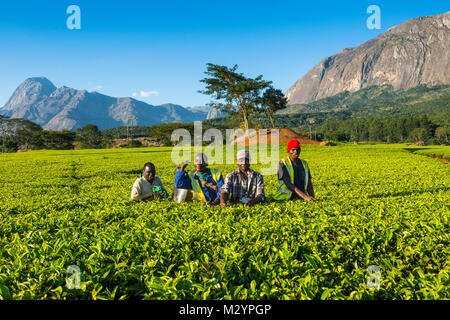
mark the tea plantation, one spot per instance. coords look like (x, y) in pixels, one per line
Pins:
(379, 205)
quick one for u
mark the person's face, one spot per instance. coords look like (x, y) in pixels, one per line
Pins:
(244, 165)
(149, 173)
(200, 167)
(294, 153)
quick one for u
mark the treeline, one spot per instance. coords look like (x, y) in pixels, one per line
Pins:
(431, 129)
(130, 132)
(389, 130)
(24, 134)
(161, 132)
(368, 103)
(382, 101)
(376, 102)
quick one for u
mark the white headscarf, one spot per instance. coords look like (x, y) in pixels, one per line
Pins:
(198, 159)
(242, 155)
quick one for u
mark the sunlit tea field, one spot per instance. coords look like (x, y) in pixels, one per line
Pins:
(379, 205)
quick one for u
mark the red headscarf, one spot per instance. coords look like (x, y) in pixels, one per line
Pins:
(293, 143)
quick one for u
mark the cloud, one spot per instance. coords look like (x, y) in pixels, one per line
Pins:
(145, 94)
(99, 87)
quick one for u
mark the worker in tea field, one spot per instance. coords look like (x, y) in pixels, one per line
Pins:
(149, 185)
(203, 182)
(294, 176)
(243, 185)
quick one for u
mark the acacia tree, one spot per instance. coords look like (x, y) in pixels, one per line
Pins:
(18, 130)
(272, 101)
(24, 133)
(89, 136)
(234, 93)
(442, 133)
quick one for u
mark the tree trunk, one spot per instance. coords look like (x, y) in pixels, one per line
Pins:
(244, 110)
(272, 120)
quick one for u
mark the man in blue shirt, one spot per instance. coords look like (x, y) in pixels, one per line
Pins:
(204, 182)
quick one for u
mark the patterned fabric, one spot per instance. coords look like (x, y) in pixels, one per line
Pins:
(242, 155)
(183, 181)
(237, 185)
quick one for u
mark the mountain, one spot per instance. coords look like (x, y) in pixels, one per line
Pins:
(38, 100)
(200, 109)
(376, 101)
(413, 53)
(30, 91)
(211, 112)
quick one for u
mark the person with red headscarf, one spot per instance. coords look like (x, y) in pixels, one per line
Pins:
(294, 177)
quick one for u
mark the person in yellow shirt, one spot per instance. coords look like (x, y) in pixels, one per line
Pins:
(294, 176)
(204, 183)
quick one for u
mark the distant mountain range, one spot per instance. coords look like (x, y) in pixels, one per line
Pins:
(38, 100)
(413, 53)
(410, 55)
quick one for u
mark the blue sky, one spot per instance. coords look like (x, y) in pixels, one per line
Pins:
(158, 50)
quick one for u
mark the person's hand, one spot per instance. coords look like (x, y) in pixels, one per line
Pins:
(310, 198)
(184, 165)
(158, 194)
(203, 182)
(223, 204)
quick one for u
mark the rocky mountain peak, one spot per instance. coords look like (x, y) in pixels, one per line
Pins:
(405, 56)
(30, 91)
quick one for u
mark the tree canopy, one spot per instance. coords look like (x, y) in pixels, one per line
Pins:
(89, 136)
(272, 101)
(233, 93)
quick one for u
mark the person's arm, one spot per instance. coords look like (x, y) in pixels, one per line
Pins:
(310, 188)
(303, 195)
(223, 199)
(260, 196)
(220, 184)
(136, 192)
(183, 166)
(158, 182)
(251, 202)
(143, 196)
(225, 191)
(209, 189)
(216, 200)
(287, 181)
(182, 179)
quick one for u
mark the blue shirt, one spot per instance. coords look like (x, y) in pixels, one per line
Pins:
(183, 181)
